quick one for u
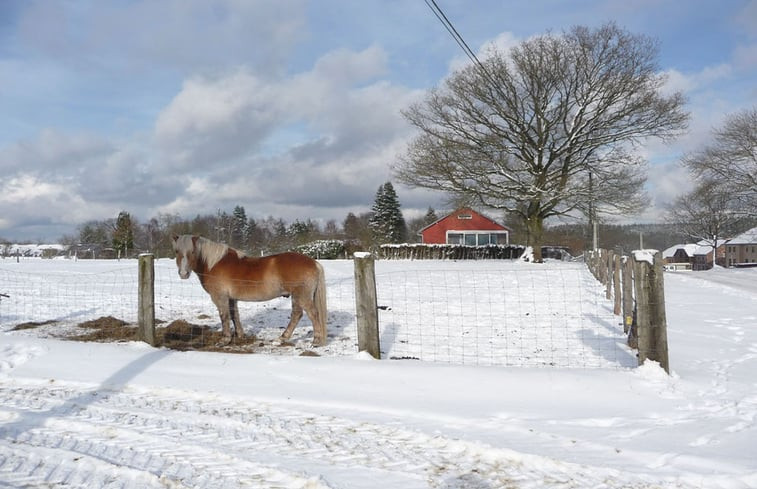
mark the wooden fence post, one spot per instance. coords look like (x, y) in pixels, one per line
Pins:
(616, 284)
(609, 260)
(366, 305)
(627, 293)
(146, 302)
(651, 326)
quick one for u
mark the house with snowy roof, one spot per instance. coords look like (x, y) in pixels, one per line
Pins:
(693, 256)
(466, 227)
(703, 255)
(741, 251)
(680, 253)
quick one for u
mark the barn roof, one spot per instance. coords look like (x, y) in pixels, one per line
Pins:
(463, 210)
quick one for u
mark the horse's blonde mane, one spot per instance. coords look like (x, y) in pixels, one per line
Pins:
(212, 252)
(209, 251)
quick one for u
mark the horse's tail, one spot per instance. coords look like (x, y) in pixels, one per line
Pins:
(319, 300)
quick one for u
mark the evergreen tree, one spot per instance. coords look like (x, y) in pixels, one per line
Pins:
(224, 225)
(256, 235)
(301, 232)
(351, 226)
(239, 228)
(415, 225)
(387, 223)
(430, 217)
(94, 232)
(123, 233)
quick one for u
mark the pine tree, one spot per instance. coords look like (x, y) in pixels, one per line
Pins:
(430, 217)
(351, 226)
(387, 223)
(239, 228)
(123, 233)
(301, 232)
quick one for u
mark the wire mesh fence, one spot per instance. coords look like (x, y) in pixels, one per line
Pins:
(492, 312)
(506, 315)
(98, 300)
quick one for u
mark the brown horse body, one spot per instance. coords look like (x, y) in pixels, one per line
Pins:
(229, 276)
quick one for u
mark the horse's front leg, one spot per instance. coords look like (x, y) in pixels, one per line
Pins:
(234, 311)
(296, 316)
(222, 303)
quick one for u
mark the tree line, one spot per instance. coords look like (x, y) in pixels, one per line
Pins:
(124, 235)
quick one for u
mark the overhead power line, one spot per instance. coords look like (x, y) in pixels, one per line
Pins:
(464, 45)
(439, 13)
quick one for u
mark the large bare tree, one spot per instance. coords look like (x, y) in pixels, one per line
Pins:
(548, 129)
(731, 159)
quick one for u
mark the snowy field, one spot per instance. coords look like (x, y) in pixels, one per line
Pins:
(552, 400)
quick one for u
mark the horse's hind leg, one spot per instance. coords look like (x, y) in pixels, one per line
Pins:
(309, 306)
(234, 312)
(319, 338)
(293, 320)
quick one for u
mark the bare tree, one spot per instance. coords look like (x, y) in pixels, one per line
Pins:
(731, 159)
(549, 129)
(708, 213)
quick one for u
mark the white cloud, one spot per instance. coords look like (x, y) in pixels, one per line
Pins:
(503, 42)
(323, 137)
(27, 199)
(186, 35)
(25, 188)
(747, 18)
(348, 67)
(210, 120)
(52, 151)
(745, 56)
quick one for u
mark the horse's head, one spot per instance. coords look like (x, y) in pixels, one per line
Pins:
(185, 247)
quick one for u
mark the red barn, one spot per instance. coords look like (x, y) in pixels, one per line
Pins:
(468, 227)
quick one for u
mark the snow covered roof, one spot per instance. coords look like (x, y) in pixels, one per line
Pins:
(749, 237)
(706, 242)
(690, 249)
(703, 250)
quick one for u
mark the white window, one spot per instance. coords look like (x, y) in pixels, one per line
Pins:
(454, 238)
(477, 238)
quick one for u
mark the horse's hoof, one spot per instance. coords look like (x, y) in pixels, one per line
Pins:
(224, 341)
(319, 342)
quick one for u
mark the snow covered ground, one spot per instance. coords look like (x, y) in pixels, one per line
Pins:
(128, 415)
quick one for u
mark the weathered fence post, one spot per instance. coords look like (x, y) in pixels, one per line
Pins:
(651, 326)
(366, 305)
(627, 293)
(616, 284)
(608, 273)
(146, 302)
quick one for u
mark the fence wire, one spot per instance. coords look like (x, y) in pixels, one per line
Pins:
(531, 317)
(470, 313)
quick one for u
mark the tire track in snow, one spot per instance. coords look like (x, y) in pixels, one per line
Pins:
(154, 439)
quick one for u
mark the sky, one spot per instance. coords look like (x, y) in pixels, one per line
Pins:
(288, 108)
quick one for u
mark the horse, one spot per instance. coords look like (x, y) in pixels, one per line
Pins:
(228, 275)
